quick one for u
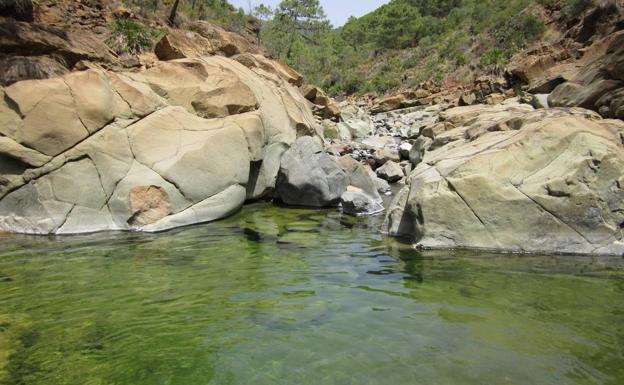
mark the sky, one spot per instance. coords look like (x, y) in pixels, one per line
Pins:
(338, 11)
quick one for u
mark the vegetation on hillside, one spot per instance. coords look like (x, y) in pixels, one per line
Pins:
(136, 35)
(403, 42)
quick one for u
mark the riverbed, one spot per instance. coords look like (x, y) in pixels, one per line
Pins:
(295, 296)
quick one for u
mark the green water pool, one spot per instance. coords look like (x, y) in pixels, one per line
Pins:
(283, 296)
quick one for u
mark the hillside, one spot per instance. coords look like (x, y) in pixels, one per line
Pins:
(48, 38)
(450, 42)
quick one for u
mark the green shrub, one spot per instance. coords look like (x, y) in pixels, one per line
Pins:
(494, 60)
(129, 36)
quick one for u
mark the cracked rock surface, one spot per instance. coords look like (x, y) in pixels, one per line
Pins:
(183, 142)
(508, 177)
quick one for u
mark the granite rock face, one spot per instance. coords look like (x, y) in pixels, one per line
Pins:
(508, 177)
(183, 142)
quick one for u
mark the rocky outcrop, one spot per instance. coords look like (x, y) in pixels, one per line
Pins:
(17, 9)
(201, 39)
(512, 178)
(324, 106)
(583, 68)
(308, 176)
(597, 83)
(183, 142)
(36, 51)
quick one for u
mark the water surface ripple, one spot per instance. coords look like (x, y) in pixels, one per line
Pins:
(282, 296)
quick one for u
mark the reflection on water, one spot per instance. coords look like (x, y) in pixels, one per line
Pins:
(281, 296)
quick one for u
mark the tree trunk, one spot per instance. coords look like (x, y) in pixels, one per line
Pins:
(174, 11)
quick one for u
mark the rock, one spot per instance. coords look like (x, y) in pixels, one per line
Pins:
(549, 185)
(149, 204)
(494, 99)
(203, 39)
(207, 90)
(309, 177)
(543, 67)
(404, 150)
(389, 104)
(97, 150)
(611, 104)
(379, 142)
(382, 186)
(384, 155)
(358, 203)
(224, 42)
(16, 68)
(359, 177)
(417, 152)
(179, 44)
(337, 131)
(218, 206)
(539, 101)
(269, 68)
(327, 108)
(357, 121)
(601, 73)
(406, 166)
(43, 45)
(390, 171)
(436, 129)
(467, 99)
(17, 9)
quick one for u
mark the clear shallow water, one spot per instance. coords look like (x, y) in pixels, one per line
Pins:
(281, 296)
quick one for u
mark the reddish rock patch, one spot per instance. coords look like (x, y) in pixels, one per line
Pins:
(149, 204)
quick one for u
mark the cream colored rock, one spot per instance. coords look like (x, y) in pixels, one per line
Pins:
(218, 206)
(200, 157)
(51, 122)
(183, 142)
(206, 89)
(550, 185)
(14, 150)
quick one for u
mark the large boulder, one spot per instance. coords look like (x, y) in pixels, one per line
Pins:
(308, 176)
(526, 181)
(184, 142)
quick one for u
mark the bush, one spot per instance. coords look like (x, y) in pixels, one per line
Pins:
(129, 36)
(494, 60)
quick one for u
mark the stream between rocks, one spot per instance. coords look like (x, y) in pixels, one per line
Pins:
(274, 295)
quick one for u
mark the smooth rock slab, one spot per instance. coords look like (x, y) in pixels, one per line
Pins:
(553, 185)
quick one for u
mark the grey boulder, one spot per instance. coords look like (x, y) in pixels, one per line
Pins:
(356, 202)
(308, 176)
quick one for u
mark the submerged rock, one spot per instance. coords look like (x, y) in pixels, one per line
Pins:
(308, 176)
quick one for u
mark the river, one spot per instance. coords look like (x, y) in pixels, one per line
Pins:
(296, 296)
